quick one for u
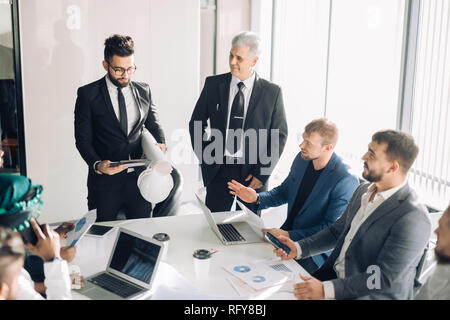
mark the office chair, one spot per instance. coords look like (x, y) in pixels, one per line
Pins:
(170, 206)
(172, 203)
(427, 262)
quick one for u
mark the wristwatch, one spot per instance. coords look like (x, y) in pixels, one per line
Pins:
(258, 200)
(96, 166)
(55, 258)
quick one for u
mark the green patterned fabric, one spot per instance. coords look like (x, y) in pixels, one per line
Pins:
(19, 197)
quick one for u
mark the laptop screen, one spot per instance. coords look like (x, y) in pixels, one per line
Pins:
(135, 257)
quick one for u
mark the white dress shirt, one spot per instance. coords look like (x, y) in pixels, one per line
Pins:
(247, 91)
(366, 209)
(57, 281)
(133, 112)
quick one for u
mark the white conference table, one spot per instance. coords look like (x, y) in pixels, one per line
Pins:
(187, 234)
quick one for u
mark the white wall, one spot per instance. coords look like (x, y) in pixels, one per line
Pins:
(62, 49)
(233, 16)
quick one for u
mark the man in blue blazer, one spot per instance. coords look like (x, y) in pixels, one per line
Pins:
(317, 189)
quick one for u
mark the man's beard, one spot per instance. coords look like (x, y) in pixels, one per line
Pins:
(117, 83)
(371, 176)
(441, 258)
(307, 157)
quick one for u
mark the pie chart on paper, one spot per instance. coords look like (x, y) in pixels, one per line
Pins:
(241, 269)
(258, 279)
(80, 224)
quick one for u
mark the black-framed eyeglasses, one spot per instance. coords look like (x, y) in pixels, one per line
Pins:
(118, 71)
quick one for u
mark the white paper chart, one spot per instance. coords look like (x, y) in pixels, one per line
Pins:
(258, 276)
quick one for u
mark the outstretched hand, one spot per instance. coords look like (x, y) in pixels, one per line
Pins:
(246, 194)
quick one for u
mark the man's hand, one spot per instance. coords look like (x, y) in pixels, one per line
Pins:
(276, 232)
(310, 289)
(104, 168)
(64, 229)
(47, 246)
(290, 244)
(68, 253)
(162, 146)
(255, 183)
(244, 193)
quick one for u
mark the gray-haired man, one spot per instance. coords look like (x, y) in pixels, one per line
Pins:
(247, 121)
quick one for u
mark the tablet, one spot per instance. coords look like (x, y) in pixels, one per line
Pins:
(98, 231)
(130, 163)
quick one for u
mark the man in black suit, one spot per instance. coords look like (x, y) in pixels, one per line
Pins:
(110, 115)
(247, 122)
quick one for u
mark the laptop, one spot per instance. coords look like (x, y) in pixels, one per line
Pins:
(238, 232)
(131, 269)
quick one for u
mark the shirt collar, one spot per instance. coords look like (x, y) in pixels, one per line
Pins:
(248, 83)
(386, 194)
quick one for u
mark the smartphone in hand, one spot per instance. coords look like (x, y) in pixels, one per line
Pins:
(277, 243)
(29, 235)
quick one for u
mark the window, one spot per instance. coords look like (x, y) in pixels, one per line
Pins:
(430, 104)
(364, 72)
(299, 65)
(366, 65)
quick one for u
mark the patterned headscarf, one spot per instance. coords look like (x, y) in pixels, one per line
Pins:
(20, 201)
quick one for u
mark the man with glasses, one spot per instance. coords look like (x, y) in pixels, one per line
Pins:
(110, 115)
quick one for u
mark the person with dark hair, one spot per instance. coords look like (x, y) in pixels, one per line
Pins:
(110, 115)
(437, 286)
(20, 205)
(380, 238)
(317, 189)
(12, 255)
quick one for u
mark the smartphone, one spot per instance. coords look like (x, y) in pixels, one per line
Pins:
(29, 236)
(277, 243)
(98, 230)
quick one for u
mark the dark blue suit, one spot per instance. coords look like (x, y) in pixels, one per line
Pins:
(325, 204)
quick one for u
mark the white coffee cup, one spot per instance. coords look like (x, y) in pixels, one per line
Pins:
(165, 240)
(202, 260)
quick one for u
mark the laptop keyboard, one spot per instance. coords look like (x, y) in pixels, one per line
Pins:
(230, 233)
(114, 285)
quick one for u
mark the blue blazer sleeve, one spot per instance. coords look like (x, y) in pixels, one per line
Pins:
(339, 199)
(278, 195)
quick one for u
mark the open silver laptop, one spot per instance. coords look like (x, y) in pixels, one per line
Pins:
(238, 232)
(131, 269)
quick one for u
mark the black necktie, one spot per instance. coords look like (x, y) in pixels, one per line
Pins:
(233, 143)
(122, 112)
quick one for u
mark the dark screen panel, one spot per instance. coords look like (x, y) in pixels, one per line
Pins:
(135, 257)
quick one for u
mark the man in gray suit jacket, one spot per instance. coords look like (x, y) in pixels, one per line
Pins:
(380, 238)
